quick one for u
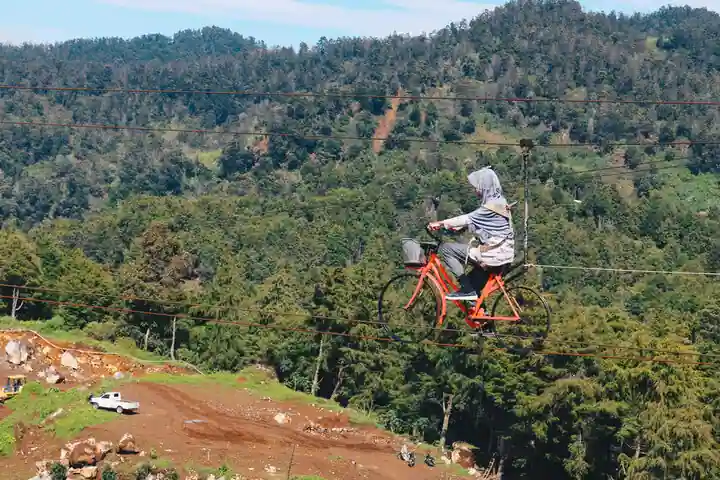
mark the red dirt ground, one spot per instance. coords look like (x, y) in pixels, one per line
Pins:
(386, 123)
(238, 430)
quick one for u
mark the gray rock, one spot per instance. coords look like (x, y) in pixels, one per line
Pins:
(52, 376)
(16, 352)
(69, 361)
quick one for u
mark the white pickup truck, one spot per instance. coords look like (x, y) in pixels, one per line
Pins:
(113, 401)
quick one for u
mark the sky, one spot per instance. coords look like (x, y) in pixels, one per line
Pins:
(277, 22)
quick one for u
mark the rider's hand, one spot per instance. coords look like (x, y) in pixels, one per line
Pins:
(435, 226)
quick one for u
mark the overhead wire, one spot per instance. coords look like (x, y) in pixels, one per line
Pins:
(155, 129)
(352, 95)
(303, 136)
(352, 335)
(622, 270)
(338, 137)
(309, 315)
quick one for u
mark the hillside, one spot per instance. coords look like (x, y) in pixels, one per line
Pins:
(124, 234)
(242, 425)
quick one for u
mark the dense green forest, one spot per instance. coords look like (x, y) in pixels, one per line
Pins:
(294, 232)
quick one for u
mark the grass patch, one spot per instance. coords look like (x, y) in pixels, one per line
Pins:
(698, 192)
(209, 159)
(35, 403)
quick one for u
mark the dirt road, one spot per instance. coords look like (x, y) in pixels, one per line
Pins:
(193, 426)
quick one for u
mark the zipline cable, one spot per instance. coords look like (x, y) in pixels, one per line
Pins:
(299, 94)
(94, 126)
(351, 335)
(623, 270)
(345, 321)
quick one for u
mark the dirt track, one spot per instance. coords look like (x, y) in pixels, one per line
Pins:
(238, 429)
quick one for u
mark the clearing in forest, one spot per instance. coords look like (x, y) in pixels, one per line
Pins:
(387, 122)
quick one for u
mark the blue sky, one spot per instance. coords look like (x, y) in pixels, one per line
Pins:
(278, 22)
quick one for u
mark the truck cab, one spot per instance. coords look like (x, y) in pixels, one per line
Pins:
(113, 401)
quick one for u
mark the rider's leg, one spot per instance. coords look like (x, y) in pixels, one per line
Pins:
(454, 255)
(479, 278)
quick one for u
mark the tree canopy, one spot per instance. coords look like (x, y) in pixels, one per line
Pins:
(292, 237)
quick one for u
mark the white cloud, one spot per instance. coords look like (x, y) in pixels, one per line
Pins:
(20, 34)
(413, 16)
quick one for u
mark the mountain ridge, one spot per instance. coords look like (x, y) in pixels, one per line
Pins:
(286, 232)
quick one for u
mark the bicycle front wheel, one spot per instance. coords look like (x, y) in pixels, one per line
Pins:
(532, 308)
(405, 321)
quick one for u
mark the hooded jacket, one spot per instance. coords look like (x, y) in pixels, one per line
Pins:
(492, 220)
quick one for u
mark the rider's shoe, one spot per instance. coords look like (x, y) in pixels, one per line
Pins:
(466, 293)
(462, 296)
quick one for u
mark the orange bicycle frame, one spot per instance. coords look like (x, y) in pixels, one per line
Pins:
(475, 317)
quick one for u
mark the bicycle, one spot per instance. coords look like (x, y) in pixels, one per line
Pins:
(429, 275)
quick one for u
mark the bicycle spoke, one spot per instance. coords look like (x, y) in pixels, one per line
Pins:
(534, 314)
(415, 323)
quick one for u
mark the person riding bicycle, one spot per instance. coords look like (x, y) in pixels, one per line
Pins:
(491, 225)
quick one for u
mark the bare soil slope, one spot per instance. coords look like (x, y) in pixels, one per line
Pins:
(200, 424)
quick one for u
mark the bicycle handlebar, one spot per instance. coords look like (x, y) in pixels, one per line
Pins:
(432, 234)
(435, 237)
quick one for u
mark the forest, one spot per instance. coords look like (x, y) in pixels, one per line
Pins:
(255, 228)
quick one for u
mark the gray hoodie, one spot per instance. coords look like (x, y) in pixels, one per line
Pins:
(491, 220)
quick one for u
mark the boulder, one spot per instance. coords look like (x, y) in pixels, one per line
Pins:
(88, 472)
(127, 445)
(52, 376)
(43, 467)
(16, 352)
(282, 418)
(69, 361)
(64, 457)
(102, 449)
(81, 454)
(462, 455)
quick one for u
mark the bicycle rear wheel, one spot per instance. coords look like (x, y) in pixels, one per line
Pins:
(532, 308)
(418, 321)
